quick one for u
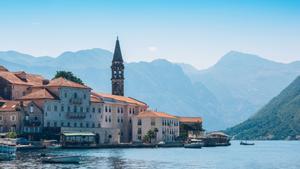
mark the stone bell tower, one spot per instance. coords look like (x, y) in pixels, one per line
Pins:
(117, 71)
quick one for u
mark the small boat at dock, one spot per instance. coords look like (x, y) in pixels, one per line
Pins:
(194, 143)
(61, 159)
(245, 143)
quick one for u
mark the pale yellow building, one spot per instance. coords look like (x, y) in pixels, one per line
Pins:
(165, 126)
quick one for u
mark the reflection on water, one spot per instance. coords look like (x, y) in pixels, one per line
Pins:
(265, 154)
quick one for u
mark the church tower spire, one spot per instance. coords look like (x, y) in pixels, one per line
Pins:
(117, 70)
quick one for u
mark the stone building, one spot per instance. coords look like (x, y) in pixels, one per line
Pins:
(165, 126)
(14, 85)
(24, 118)
(10, 116)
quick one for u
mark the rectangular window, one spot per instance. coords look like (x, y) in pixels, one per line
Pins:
(99, 110)
(139, 122)
(31, 109)
(75, 109)
(1, 118)
(139, 131)
(13, 118)
(62, 108)
(55, 108)
(152, 121)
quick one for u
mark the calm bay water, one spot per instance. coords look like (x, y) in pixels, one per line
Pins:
(265, 154)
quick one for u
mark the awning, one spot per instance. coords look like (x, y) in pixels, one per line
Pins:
(78, 134)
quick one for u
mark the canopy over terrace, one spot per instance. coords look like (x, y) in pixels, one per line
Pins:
(78, 138)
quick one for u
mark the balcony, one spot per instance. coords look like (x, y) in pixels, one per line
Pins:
(75, 101)
(32, 123)
(73, 115)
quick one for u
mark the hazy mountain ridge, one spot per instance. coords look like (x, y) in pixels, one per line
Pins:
(279, 119)
(243, 83)
(175, 88)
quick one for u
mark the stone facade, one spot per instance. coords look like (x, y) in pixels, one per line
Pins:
(117, 71)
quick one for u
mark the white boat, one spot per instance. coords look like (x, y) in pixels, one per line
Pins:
(54, 146)
(61, 159)
(194, 143)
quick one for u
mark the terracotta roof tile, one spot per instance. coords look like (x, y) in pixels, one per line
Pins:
(12, 78)
(30, 78)
(95, 99)
(2, 68)
(62, 82)
(150, 113)
(121, 98)
(21, 78)
(39, 94)
(9, 106)
(190, 119)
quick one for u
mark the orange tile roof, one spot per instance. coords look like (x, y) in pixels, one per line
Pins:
(15, 78)
(121, 98)
(96, 99)
(2, 68)
(31, 78)
(190, 119)
(12, 78)
(9, 105)
(150, 113)
(39, 94)
(62, 82)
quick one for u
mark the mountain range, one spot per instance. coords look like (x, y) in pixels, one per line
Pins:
(279, 119)
(224, 94)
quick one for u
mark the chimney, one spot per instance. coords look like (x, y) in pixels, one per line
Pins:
(45, 81)
(21, 75)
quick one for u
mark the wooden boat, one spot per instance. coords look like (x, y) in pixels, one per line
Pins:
(245, 143)
(61, 159)
(194, 143)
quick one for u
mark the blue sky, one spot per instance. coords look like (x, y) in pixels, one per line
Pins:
(197, 32)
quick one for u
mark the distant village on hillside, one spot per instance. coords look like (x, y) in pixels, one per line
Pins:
(35, 108)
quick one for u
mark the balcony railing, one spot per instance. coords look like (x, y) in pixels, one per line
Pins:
(75, 101)
(73, 115)
(32, 123)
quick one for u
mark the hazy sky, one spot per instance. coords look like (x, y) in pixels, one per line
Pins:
(191, 31)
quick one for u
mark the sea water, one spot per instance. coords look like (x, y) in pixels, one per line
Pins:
(263, 155)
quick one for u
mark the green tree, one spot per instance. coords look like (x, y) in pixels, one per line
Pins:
(69, 76)
(12, 135)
